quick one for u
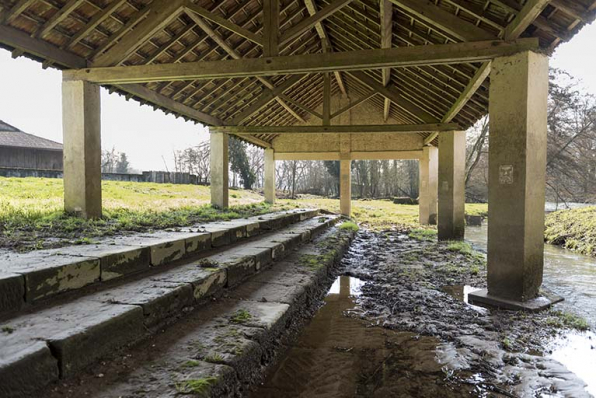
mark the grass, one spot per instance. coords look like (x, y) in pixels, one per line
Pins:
(424, 235)
(196, 386)
(31, 210)
(241, 316)
(561, 319)
(573, 229)
(349, 226)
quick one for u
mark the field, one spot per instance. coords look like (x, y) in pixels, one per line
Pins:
(31, 215)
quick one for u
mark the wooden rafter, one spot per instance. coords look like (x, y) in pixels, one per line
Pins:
(310, 22)
(386, 12)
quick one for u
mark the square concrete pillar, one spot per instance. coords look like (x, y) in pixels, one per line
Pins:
(517, 166)
(345, 187)
(81, 126)
(428, 189)
(452, 196)
(269, 175)
(219, 160)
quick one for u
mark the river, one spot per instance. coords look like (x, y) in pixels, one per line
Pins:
(570, 275)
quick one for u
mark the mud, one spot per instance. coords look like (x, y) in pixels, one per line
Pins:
(401, 327)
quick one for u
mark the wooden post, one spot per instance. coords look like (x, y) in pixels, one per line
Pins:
(345, 187)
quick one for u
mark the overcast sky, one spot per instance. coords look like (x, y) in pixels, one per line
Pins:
(30, 100)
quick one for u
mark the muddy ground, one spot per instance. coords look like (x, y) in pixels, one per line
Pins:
(407, 332)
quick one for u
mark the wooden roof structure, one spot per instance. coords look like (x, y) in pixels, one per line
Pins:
(371, 50)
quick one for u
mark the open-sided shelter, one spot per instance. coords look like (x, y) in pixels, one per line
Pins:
(325, 79)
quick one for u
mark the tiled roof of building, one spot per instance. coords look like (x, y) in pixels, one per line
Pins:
(11, 136)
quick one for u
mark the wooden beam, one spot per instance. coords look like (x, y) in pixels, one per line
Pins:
(437, 17)
(386, 12)
(301, 106)
(520, 23)
(161, 13)
(254, 140)
(97, 19)
(395, 97)
(311, 21)
(526, 16)
(221, 21)
(271, 28)
(307, 63)
(20, 40)
(265, 98)
(354, 104)
(130, 24)
(161, 100)
(235, 55)
(375, 128)
(326, 99)
(58, 17)
(326, 42)
(16, 10)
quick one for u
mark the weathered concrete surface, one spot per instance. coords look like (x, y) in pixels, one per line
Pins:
(238, 266)
(452, 195)
(47, 273)
(204, 279)
(345, 187)
(12, 292)
(82, 148)
(26, 368)
(269, 188)
(159, 300)
(483, 298)
(219, 169)
(115, 260)
(518, 132)
(224, 344)
(77, 333)
(429, 169)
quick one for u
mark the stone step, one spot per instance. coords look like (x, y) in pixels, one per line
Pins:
(221, 349)
(26, 279)
(59, 341)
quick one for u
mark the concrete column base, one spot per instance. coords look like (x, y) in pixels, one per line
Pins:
(484, 299)
(429, 186)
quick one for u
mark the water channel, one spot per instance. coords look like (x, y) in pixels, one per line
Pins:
(338, 355)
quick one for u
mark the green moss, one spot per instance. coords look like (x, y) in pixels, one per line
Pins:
(573, 229)
(241, 316)
(427, 235)
(7, 329)
(562, 319)
(214, 358)
(460, 247)
(196, 386)
(349, 226)
(191, 364)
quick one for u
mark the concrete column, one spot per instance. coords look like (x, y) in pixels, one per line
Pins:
(517, 168)
(452, 196)
(269, 175)
(219, 169)
(345, 187)
(81, 124)
(428, 189)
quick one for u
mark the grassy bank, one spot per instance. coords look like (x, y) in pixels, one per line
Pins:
(573, 229)
(31, 215)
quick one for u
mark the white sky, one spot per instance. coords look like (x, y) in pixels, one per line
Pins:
(30, 99)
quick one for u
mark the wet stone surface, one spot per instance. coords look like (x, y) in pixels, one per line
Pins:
(399, 326)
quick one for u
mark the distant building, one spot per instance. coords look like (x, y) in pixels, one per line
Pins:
(19, 150)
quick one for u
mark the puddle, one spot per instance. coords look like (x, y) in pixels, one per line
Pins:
(338, 355)
(577, 351)
(461, 292)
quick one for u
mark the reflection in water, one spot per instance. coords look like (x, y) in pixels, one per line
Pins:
(461, 292)
(340, 356)
(567, 274)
